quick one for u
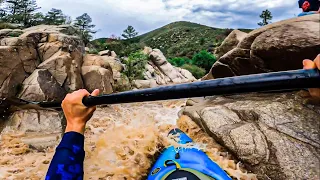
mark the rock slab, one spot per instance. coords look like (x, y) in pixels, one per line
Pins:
(274, 135)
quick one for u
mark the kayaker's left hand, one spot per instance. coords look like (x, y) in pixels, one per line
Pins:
(308, 64)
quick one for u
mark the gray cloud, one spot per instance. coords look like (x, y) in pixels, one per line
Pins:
(111, 16)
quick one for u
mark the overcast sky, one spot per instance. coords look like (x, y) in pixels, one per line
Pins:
(113, 16)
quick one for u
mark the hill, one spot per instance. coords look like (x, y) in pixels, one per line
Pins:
(177, 39)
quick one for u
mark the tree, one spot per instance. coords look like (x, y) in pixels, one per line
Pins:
(204, 60)
(37, 19)
(135, 65)
(20, 11)
(26, 11)
(68, 20)
(10, 11)
(129, 33)
(2, 11)
(55, 17)
(266, 16)
(84, 24)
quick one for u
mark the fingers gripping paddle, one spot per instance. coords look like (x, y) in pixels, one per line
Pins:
(286, 80)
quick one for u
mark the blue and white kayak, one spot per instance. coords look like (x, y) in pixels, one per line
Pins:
(185, 163)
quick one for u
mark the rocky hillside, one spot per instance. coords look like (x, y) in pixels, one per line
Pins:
(178, 39)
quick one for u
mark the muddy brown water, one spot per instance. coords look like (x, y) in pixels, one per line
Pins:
(122, 142)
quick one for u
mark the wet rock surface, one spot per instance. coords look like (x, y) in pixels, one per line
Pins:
(274, 135)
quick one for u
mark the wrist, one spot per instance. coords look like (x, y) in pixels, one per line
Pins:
(79, 128)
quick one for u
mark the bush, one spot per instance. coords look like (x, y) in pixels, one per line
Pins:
(204, 60)
(196, 71)
(122, 84)
(7, 26)
(179, 61)
(93, 51)
(202, 41)
(135, 65)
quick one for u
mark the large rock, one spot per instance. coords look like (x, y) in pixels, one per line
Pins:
(106, 62)
(59, 53)
(143, 84)
(115, 65)
(276, 47)
(10, 33)
(40, 128)
(96, 77)
(16, 62)
(65, 69)
(95, 60)
(121, 84)
(185, 73)
(274, 135)
(161, 62)
(41, 86)
(230, 42)
(108, 53)
(160, 70)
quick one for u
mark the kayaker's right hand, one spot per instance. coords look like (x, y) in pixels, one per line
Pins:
(308, 64)
(76, 113)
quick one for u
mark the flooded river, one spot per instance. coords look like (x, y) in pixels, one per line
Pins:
(122, 142)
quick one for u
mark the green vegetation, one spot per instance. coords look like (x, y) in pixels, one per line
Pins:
(266, 17)
(55, 17)
(22, 14)
(7, 26)
(129, 33)
(196, 71)
(178, 61)
(200, 64)
(19, 12)
(204, 60)
(178, 39)
(135, 65)
(84, 24)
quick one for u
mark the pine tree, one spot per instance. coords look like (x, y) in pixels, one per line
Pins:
(129, 33)
(37, 19)
(266, 16)
(27, 11)
(10, 11)
(55, 17)
(2, 11)
(84, 24)
(20, 11)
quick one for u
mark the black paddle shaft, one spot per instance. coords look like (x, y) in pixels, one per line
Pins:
(287, 80)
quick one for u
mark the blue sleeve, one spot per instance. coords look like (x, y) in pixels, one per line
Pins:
(67, 162)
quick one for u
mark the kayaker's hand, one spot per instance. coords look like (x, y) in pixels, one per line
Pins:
(76, 113)
(308, 64)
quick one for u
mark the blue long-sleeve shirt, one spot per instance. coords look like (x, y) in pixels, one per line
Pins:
(67, 162)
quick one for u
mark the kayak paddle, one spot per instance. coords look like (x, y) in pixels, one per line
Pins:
(286, 80)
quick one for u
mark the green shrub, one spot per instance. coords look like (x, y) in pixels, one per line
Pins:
(7, 26)
(135, 65)
(204, 60)
(179, 61)
(202, 41)
(196, 71)
(93, 51)
(122, 84)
